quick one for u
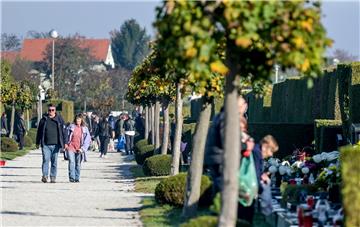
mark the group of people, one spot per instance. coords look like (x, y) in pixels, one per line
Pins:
(213, 162)
(75, 138)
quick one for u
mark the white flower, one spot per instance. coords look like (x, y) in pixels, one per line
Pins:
(305, 170)
(272, 169)
(317, 158)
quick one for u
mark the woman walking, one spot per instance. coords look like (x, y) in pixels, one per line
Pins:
(79, 141)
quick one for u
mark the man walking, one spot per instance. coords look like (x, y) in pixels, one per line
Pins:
(129, 126)
(51, 135)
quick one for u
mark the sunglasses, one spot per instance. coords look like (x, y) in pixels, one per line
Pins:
(51, 110)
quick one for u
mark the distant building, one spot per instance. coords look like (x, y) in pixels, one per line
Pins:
(34, 50)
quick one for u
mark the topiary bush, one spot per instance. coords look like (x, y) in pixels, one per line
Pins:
(32, 134)
(143, 153)
(350, 159)
(140, 143)
(157, 165)
(8, 145)
(172, 190)
(28, 142)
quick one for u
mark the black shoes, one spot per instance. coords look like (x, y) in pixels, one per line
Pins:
(74, 181)
(52, 180)
(44, 179)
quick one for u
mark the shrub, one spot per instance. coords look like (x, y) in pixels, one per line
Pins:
(350, 159)
(143, 153)
(32, 134)
(172, 190)
(157, 165)
(8, 145)
(141, 143)
(325, 134)
(28, 142)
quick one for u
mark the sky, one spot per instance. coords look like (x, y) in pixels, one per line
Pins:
(95, 19)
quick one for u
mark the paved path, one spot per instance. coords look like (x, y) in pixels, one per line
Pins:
(102, 198)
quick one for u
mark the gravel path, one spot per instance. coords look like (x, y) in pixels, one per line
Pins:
(102, 198)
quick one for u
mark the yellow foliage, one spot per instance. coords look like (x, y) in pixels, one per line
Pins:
(307, 25)
(191, 52)
(299, 42)
(305, 66)
(243, 42)
(219, 67)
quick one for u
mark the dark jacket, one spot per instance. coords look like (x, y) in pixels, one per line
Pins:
(104, 130)
(40, 135)
(19, 127)
(259, 164)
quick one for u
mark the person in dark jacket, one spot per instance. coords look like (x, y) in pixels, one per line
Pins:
(51, 135)
(20, 130)
(4, 125)
(104, 132)
(129, 128)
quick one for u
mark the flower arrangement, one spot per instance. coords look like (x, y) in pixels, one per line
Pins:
(329, 176)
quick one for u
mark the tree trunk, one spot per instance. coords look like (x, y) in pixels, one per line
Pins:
(157, 126)
(193, 183)
(178, 130)
(152, 124)
(146, 122)
(27, 120)
(231, 158)
(166, 130)
(12, 121)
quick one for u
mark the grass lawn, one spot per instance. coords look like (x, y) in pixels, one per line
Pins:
(142, 183)
(12, 155)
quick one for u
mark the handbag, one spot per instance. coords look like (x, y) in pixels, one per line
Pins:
(121, 143)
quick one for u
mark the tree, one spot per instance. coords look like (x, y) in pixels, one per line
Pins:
(71, 64)
(344, 56)
(32, 34)
(10, 42)
(256, 35)
(129, 44)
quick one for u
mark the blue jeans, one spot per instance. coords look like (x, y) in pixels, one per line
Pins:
(74, 165)
(50, 154)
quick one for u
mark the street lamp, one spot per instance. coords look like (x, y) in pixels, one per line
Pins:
(277, 67)
(54, 34)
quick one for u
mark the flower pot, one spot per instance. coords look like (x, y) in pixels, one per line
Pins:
(2, 162)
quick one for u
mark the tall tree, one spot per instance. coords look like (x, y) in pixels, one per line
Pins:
(32, 34)
(10, 42)
(130, 44)
(71, 63)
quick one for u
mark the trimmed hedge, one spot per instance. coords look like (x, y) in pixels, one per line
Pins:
(28, 142)
(32, 134)
(289, 136)
(140, 143)
(143, 153)
(325, 134)
(157, 165)
(350, 169)
(172, 190)
(8, 145)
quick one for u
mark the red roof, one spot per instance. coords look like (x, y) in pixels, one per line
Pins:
(34, 49)
(9, 55)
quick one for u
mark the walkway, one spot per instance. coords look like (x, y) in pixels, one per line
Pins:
(102, 198)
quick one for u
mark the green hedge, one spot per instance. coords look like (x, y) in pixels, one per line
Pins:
(157, 165)
(143, 153)
(32, 134)
(208, 221)
(354, 93)
(172, 190)
(8, 145)
(325, 134)
(139, 144)
(64, 107)
(350, 169)
(287, 135)
(28, 142)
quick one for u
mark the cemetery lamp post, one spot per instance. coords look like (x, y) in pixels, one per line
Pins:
(53, 34)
